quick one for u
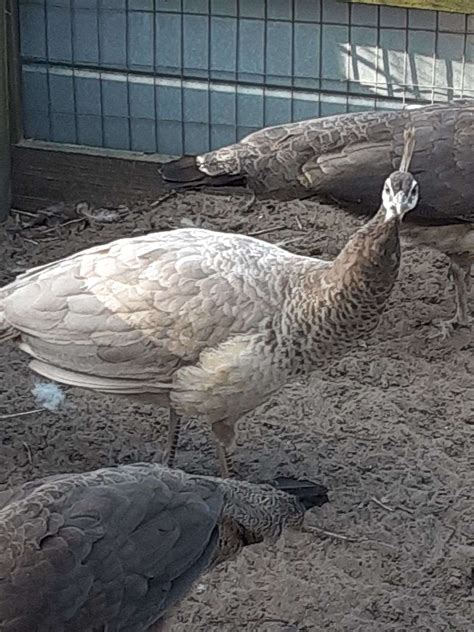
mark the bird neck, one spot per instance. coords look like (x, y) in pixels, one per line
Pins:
(348, 298)
(259, 509)
(362, 276)
(373, 249)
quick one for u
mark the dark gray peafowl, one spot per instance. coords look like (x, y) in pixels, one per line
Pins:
(347, 157)
(117, 548)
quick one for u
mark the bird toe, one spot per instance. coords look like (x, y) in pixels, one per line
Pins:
(446, 328)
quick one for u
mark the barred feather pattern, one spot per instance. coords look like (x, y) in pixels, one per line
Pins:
(118, 548)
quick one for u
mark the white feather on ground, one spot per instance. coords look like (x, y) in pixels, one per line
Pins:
(49, 395)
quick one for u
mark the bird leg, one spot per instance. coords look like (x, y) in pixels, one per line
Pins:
(468, 277)
(245, 208)
(460, 269)
(225, 440)
(225, 462)
(174, 426)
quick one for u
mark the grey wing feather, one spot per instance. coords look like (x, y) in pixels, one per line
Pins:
(112, 549)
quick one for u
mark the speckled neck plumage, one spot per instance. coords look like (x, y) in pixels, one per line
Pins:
(272, 511)
(346, 301)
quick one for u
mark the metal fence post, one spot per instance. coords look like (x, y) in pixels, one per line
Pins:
(5, 167)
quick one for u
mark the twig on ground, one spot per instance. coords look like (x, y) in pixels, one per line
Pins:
(29, 456)
(371, 541)
(68, 223)
(21, 414)
(162, 199)
(298, 222)
(381, 504)
(330, 534)
(346, 538)
(17, 211)
(266, 231)
(285, 242)
(450, 536)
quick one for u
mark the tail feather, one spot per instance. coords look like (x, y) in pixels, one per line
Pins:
(112, 386)
(308, 493)
(184, 173)
(7, 334)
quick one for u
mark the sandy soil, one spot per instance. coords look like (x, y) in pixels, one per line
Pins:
(388, 429)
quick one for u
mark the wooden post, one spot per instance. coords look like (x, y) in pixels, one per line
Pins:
(14, 72)
(5, 168)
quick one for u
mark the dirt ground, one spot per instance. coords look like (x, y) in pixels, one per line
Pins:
(388, 429)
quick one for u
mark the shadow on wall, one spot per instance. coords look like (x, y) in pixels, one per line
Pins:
(175, 81)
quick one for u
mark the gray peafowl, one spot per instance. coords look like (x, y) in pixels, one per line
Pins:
(116, 549)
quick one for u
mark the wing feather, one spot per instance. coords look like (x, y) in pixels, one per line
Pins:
(113, 548)
(139, 308)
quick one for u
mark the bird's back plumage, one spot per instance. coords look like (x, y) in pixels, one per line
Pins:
(348, 157)
(117, 548)
(111, 549)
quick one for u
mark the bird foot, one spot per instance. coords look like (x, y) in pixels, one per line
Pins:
(157, 456)
(446, 328)
(168, 457)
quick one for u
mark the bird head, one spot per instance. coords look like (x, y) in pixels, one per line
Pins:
(399, 195)
(400, 191)
(308, 493)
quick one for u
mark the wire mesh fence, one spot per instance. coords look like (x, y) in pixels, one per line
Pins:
(184, 76)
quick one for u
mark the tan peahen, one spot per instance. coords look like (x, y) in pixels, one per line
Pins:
(209, 324)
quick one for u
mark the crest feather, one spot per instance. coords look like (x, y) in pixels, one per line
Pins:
(409, 138)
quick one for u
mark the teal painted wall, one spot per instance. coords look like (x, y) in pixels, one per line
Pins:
(182, 76)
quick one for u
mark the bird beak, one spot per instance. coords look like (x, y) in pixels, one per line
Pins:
(399, 203)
